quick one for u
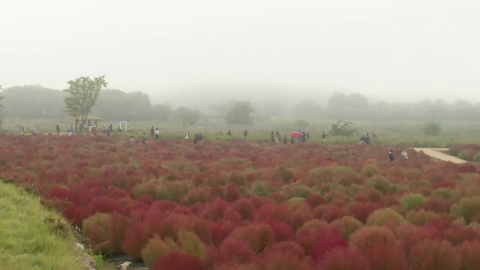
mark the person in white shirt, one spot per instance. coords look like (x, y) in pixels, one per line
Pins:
(405, 155)
(157, 133)
(186, 136)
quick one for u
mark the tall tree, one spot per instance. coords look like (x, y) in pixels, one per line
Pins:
(83, 93)
(240, 114)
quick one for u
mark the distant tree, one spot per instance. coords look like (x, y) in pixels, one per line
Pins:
(82, 95)
(187, 115)
(301, 124)
(240, 114)
(337, 101)
(432, 128)
(222, 108)
(357, 101)
(343, 128)
(307, 108)
(1, 97)
(161, 112)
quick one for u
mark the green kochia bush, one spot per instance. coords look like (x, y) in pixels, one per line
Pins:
(412, 200)
(467, 208)
(380, 183)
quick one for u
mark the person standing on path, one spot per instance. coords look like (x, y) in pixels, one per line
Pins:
(285, 140)
(390, 156)
(144, 138)
(157, 133)
(324, 136)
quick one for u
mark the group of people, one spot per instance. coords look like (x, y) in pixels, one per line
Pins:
(392, 158)
(22, 131)
(365, 139)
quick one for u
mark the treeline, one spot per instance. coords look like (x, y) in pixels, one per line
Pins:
(37, 102)
(357, 107)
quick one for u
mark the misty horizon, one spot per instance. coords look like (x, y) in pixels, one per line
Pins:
(176, 51)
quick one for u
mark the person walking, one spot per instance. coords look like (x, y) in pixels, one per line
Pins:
(245, 134)
(152, 131)
(405, 155)
(144, 138)
(229, 133)
(187, 136)
(390, 156)
(272, 137)
(157, 133)
(58, 129)
(285, 140)
(95, 131)
(324, 136)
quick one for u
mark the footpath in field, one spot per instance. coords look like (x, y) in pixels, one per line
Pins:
(436, 153)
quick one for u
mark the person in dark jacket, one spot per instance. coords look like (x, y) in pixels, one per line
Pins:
(245, 134)
(390, 156)
(292, 140)
(58, 129)
(144, 138)
(324, 136)
(285, 140)
(229, 133)
(152, 131)
(272, 137)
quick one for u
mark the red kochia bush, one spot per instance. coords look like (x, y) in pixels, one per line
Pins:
(307, 238)
(177, 260)
(282, 261)
(282, 231)
(244, 207)
(469, 255)
(343, 259)
(220, 231)
(286, 247)
(362, 211)
(233, 250)
(433, 255)
(382, 256)
(364, 238)
(256, 236)
(273, 211)
(331, 240)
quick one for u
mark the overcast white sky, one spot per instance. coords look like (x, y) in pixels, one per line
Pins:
(385, 49)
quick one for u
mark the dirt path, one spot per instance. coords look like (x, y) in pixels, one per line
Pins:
(436, 153)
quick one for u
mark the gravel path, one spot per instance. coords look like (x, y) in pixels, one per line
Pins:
(437, 154)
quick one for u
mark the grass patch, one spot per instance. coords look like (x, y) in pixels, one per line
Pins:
(27, 239)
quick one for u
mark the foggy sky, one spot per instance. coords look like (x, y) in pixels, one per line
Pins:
(392, 50)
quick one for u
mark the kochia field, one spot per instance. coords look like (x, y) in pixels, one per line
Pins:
(246, 205)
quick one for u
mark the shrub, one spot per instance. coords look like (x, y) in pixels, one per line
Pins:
(178, 260)
(362, 211)
(273, 211)
(468, 252)
(329, 241)
(190, 243)
(286, 247)
(343, 259)
(95, 229)
(421, 217)
(282, 261)
(313, 225)
(307, 238)
(244, 207)
(315, 200)
(382, 256)
(156, 248)
(256, 236)
(236, 251)
(380, 183)
(347, 225)
(412, 200)
(330, 213)
(261, 188)
(433, 255)
(437, 205)
(384, 216)
(427, 233)
(118, 227)
(364, 238)
(467, 208)
(457, 234)
(220, 231)
(370, 170)
(282, 231)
